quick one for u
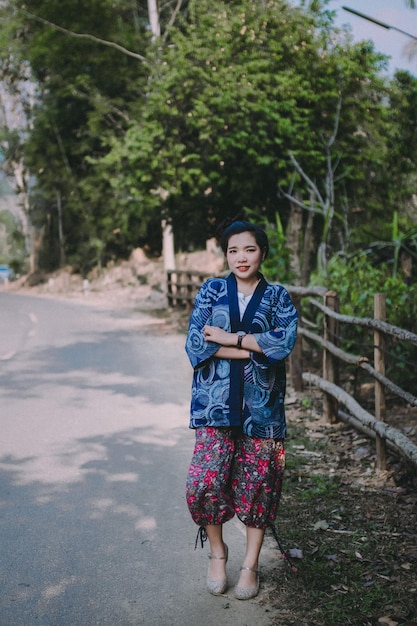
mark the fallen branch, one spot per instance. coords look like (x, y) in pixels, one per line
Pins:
(392, 435)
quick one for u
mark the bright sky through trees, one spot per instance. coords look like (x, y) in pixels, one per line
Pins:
(390, 42)
(391, 12)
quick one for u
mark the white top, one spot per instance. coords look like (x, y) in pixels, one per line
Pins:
(243, 302)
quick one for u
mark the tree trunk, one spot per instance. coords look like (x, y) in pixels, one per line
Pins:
(294, 230)
(308, 249)
(21, 185)
(154, 19)
(168, 250)
(168, 246)
(14, 117)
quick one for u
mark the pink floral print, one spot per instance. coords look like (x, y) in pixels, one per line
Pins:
(232, 475)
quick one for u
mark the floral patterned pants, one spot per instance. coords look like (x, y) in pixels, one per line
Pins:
(232, 475)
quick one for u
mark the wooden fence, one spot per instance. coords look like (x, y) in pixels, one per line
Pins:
(183, 285)
(333, 394)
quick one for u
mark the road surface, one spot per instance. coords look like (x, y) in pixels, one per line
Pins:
(94, 450)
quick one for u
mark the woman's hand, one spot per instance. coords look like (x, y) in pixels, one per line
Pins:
(218, 335)
(229, 340)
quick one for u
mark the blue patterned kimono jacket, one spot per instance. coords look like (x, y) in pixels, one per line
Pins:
(247, 393)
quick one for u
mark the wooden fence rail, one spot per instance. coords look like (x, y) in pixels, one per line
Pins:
(181, 291)
(369, 322)
(333, 394)
(182, 286)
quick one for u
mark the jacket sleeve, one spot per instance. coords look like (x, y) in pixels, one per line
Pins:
(278, 343)
(198, 350)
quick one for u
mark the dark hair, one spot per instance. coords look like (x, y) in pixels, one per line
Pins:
(235, 228)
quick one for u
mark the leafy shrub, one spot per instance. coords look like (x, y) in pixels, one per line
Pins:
(356, 281)
(277, 265)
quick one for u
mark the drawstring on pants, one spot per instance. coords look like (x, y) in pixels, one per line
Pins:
(202, 536)
(284, 555)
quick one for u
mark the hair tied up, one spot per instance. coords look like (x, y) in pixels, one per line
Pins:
(237, 226)
(228, 221)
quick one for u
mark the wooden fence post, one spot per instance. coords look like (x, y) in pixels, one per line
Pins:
(296, 356)
(189, 288)
(170, 294)
(330, 371)
(379, 365)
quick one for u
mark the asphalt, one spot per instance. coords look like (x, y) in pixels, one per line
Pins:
(94, 451)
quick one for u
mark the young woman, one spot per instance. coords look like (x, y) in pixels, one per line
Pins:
(241, 330)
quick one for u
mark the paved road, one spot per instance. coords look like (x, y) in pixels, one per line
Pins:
(94, 449)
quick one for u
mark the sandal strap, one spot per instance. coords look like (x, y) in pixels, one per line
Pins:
(221, 558)
(251, 569)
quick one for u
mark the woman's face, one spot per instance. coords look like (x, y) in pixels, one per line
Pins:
(244, 256)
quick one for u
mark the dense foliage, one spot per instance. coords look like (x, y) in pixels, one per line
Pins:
(238, 88)
(235, 108)
(356, 280)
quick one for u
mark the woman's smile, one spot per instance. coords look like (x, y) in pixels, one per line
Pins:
(244, 257)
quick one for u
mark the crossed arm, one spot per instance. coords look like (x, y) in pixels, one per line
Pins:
(228, 342)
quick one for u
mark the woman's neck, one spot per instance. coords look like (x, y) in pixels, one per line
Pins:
(247, 287)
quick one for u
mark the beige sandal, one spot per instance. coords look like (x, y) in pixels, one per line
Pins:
(246, 593)
(219, 586)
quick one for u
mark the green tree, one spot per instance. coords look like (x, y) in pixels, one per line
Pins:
(86, 92)
(385, 212)
(205, 122)
(16, 106)
(241, 85)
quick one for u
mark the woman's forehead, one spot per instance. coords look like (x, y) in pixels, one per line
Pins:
(242, 239)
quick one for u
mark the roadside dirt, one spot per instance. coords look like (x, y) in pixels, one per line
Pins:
(354, 529)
